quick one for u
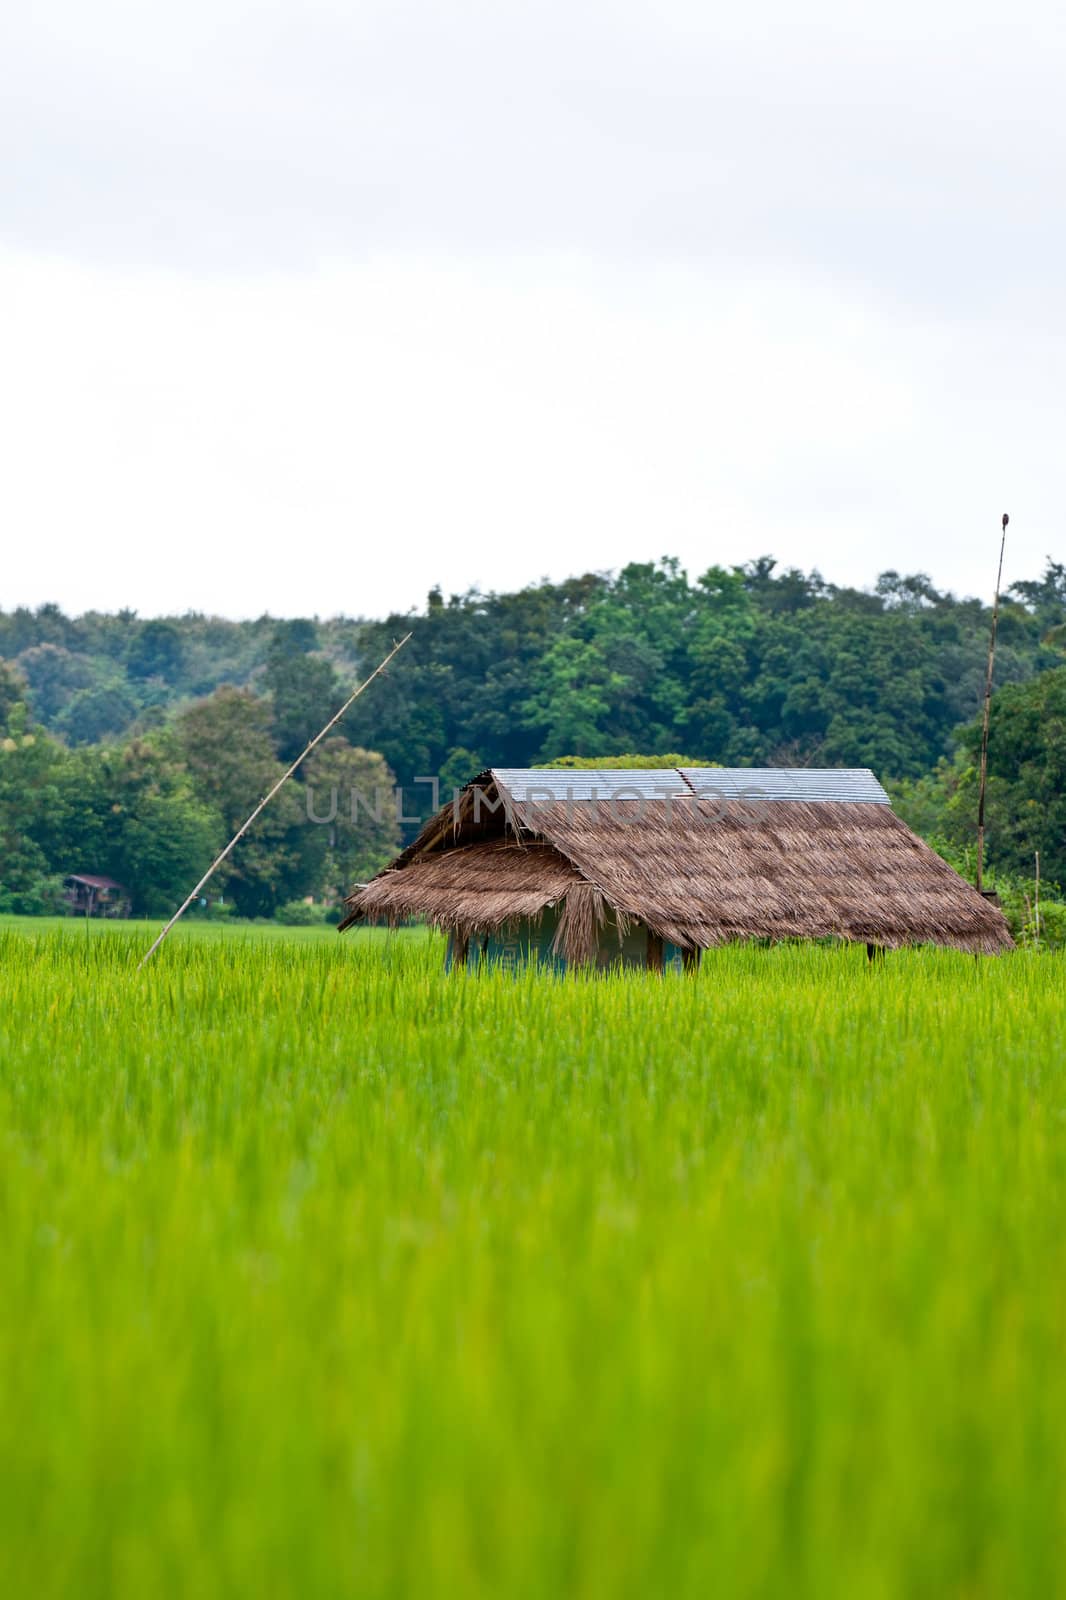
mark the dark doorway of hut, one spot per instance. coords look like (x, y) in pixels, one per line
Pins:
(480, 952)
(690, 959)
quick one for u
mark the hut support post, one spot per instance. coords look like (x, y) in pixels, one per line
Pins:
(690, 959)
(875, 952)
(655, 952)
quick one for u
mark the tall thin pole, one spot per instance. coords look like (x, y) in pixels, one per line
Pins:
(241, 831)
(986, 714)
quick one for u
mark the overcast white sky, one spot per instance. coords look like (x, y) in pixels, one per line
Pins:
(310, 306)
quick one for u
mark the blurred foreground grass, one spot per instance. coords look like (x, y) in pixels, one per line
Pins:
(323, 1273)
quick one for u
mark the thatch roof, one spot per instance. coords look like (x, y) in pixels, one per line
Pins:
(694, 870)
(475, 888)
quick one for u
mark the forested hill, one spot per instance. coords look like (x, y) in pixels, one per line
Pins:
(133, 749)
(749, 665)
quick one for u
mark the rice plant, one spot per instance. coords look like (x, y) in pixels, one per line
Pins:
(324, 1273)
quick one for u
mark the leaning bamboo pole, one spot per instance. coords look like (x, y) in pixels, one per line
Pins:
(261, 807)
(986, 714)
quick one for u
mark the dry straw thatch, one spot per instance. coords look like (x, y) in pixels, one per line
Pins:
(583, 917)
(475, 888)
(693, 871)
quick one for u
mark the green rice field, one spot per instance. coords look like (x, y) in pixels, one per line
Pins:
(324, 1274)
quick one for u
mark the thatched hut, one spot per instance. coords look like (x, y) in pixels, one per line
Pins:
(89, 895)
(650, 868)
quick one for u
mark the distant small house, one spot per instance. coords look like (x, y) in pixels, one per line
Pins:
(650, 868)
(88, 895)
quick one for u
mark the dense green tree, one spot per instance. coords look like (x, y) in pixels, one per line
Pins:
(460, 682)
(304, 689)
(157, 650)
(295, 636)
(22, 628)
(351, 802)
(1026, 801)
(573, 693)
(54, 674)
(746, 665)
(131, 813)
(1044, 597)
(226, 744)
(1027, 774)
(458, 768)
(101, 712)
(32, 814)
(13, 692)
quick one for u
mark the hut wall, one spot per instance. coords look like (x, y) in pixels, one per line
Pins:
(531, 940)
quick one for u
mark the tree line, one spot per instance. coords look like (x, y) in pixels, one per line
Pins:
(151, 807)
(135, 745)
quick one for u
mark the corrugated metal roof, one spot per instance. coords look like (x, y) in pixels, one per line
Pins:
(854, 785)
(569, 783)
